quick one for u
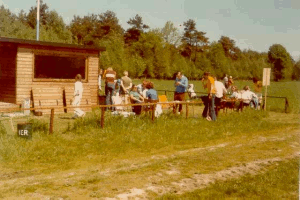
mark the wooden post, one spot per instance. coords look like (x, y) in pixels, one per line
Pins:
(102, 117)
(187, 110)
(166, 92)
(51, 121)
(193, 110)
(265, 105)
(286, 105)
(153, 112)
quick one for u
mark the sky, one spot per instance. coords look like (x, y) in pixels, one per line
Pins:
(252, 24)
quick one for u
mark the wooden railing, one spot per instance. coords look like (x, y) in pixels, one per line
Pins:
(102, 107)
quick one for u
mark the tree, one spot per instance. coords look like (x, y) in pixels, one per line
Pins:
(170, 34)
(189, 30)
(218, 59)
(296, 71)
(31, 16)
(108, 24)
(193, 40)
(83, 28)
(229, 47)
(199, 38)
(10, 26)
(133, 34)
(281, 61)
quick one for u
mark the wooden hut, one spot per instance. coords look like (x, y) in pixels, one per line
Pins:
(45, 72)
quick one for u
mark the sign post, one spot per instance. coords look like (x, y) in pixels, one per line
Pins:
(266, 82)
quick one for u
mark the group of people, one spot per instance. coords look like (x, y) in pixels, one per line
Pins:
(216, 91)
(118, 90)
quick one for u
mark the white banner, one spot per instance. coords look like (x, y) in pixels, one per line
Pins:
(266, 76)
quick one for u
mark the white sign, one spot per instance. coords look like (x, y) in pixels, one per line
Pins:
(266, 76)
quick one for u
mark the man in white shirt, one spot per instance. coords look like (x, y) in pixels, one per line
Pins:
(220, 92)
(78, 90)
(249, 97)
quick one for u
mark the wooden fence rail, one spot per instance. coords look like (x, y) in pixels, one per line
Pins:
(102, 107)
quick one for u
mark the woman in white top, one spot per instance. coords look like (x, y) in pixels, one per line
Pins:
(78, 90)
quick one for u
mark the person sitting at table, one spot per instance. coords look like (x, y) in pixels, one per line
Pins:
(136, 98)
(151, 94)
(249, 97)
(235, 93)
(142, 88)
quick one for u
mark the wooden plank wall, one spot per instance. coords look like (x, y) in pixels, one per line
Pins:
(25, 59)
(4, 105)
(8, 73)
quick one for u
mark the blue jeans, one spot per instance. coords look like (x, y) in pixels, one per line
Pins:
(209, 107)
(212, 111)
(255, 102)
(109, 91)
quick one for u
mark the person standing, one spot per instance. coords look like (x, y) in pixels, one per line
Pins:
(220, 92)
(110, 76)
(209, 84)
(78, 90)
(226, 81)
(181, 84)
(99, 80)
(126, 83)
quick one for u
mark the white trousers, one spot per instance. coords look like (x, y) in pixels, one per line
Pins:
(77, 111)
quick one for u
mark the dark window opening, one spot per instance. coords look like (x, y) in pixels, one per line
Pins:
(56, 67)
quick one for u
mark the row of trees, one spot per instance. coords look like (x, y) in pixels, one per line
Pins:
(151, 53)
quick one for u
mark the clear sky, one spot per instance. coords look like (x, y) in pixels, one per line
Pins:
(253, 24)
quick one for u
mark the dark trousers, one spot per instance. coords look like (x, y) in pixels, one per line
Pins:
(209, 107)
(178, 97)
(137, 109)
(217, 104)
(109, 91)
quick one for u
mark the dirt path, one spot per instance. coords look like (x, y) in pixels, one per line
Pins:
(200, 181)
(68, 180)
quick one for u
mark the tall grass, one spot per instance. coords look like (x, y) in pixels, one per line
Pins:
(123, 137)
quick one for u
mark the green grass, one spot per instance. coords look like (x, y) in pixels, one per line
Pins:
(81, 143)
(123, 137)
(279, 182)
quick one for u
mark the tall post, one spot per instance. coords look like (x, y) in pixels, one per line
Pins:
(187, 110)
(153, 112)
(265, 106)
(51, 121)
(38, 21)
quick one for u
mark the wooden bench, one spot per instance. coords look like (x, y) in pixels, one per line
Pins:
(47, 97)
(69, 97)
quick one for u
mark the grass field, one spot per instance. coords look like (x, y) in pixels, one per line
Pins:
(131, 155)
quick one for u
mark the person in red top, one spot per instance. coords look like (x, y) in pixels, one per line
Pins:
(110, 76)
